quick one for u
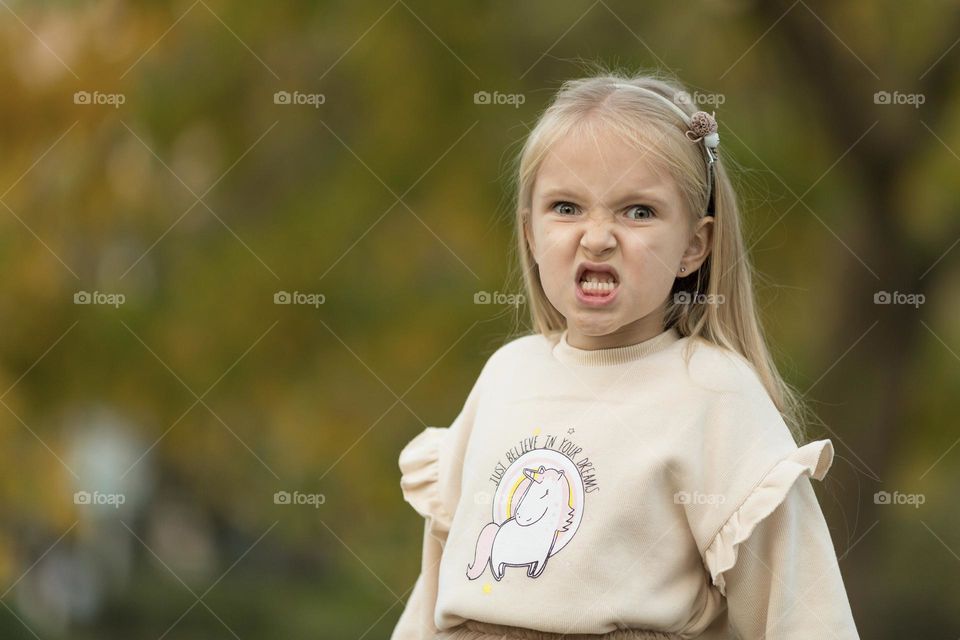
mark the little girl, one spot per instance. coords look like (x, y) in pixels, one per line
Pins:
(627, 470)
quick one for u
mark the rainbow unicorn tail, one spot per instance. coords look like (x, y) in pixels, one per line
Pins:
(484, 546)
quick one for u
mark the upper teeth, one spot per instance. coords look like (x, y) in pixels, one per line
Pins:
(594, 281)
(593, 276)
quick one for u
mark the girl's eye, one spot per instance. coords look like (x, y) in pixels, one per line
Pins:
(642, 209)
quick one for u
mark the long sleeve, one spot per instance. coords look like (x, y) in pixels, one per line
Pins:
(420, 468)
(416, 621)
(760, 530)
(786, 583)
(431, 467)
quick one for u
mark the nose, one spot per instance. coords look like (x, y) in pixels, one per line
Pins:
(598, 236)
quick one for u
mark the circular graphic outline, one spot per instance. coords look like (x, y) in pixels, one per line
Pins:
(514, 483)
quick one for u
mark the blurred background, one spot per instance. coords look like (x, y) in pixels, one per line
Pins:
(251, 249)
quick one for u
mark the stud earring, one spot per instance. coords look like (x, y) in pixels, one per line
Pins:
(682, 269)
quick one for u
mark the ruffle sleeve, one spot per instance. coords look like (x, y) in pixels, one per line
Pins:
(420, 475)
(813, 459)
(430, 470)
(422, 484)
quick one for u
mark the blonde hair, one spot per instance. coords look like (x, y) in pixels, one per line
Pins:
(726, 275)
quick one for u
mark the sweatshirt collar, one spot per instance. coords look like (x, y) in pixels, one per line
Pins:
(568, 354)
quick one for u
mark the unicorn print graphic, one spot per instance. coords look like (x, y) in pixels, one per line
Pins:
(536, 510)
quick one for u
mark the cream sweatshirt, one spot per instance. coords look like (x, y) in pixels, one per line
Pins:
(653, 488)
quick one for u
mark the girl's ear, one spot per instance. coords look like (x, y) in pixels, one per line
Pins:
(701, 242)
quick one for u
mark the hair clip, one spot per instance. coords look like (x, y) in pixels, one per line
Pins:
(703, 126)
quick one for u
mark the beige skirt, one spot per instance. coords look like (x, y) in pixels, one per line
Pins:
(474, 630)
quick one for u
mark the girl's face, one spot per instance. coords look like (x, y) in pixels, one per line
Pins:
(604, 211)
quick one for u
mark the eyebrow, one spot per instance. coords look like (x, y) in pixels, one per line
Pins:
(648, 196)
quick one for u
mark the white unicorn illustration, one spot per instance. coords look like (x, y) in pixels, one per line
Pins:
(527, 538)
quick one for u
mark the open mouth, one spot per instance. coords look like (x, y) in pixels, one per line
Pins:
(597, 283)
